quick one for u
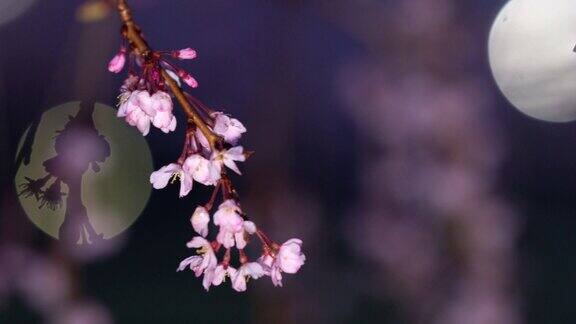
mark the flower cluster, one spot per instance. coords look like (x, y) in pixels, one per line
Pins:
(199, 162)
(210, 149)
(143, 98)
(141, 109)
(234, 231)
(202, 164)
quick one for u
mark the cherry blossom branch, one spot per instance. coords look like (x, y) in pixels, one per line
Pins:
(133, 34)
(210, 151)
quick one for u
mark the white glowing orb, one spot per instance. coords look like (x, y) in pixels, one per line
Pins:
(12, 9)
(531, 53)
(113, 191)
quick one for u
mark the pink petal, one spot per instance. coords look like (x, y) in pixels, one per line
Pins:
(219, 275)
(240, 240)
(145, 102)
(190, 261)
(159, 179)
(236, 153)
(203, 141)
(254, 269)
(200, 220)
(276, 277)
(250, 227)
(197, 242)
(239, 282)
(208, 278)
(143, 125)
(232, 165)
(225, 238)
(185, 184)
(161, 101)
(172, 125)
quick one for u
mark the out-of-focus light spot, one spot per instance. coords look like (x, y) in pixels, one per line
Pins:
(93, 10)
(43, 283)
(83, 312)
(531, 53)
(12, 9)
(87, 180)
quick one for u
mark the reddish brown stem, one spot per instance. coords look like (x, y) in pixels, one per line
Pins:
(242, 256)
(133, 34)
(226, 259)
(210, 203)
(268, 243)
(187, 142)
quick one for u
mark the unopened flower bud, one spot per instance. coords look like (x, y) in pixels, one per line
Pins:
(188, 79)
(117, 62)
(185, 54)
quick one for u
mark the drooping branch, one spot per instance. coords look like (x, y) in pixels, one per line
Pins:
(133, 34)
(144, 101)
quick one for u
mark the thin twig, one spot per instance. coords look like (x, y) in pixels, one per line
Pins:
(134, 36)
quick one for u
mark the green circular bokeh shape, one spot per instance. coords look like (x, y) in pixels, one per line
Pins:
(115, 196)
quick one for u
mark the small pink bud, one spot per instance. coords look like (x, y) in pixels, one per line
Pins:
(117, 62)
(185, 54)
(188, 79)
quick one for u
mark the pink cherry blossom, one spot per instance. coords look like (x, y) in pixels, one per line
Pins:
(231, 225)
(202, 170)
(129, 102)
(117, 62)
(200, 220)
(138, 118)
(129, 83)
(230, 129)
(208, 278)
(247, 270)
(266, 260)
(203, 263)
(140, 109)
(249, 227)
(144, 100)
(134, 115)
(185, 54)
(161, 101)
(290, 258)
(228, 157)
(221, 272)
(276, 276)
(240, 239)
(125, 105)
(171, 126)
(162, 105)
(271, 269)
(159, 179)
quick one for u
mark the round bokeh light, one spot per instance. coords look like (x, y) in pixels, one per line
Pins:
(531, 52)
(87, 176)
(12, 9)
